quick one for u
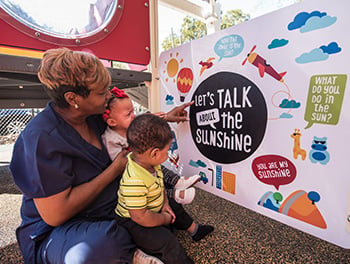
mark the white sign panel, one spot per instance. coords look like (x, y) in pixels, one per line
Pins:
(270, 121)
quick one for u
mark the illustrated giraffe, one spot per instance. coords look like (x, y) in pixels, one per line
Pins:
(297, 150)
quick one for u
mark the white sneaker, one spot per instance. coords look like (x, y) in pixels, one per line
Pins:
(141, 257)
(186, 182)
(185, 196)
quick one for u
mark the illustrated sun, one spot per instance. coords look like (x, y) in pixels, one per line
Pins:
(172, 66)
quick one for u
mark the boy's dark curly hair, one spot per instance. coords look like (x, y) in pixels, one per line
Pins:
(148, 131)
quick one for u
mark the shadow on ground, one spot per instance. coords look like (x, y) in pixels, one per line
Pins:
(6, 181)
(240, 236)
(11, 254)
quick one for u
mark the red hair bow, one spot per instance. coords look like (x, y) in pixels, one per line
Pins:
(106, 114)
(118, 93)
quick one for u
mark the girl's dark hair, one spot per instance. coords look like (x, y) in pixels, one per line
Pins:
(148, 131)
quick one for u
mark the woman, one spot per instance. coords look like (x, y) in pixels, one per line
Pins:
(63, 169)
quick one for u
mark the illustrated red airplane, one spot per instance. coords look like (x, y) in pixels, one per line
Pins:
(206, 64)
(262, 65)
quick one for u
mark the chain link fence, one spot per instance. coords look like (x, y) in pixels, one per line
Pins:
(13, 121)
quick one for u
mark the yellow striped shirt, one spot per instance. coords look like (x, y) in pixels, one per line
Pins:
(140, 189)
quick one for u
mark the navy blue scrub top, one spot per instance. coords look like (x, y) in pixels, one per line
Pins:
(50, 156)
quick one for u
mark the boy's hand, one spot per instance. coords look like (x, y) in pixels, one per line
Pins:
(167, 209)
(168, 217)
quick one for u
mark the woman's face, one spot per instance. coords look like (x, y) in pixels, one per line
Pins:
(96, 102)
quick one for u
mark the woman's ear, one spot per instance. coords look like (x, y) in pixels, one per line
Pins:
(71, 98)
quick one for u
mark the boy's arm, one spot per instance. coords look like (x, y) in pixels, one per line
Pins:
(166, 207)
(147, 218)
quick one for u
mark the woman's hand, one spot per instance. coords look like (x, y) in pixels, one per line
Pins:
(178, 114)
(120, 161)
(160, 114)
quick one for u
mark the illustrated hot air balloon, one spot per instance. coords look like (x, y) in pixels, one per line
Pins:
(184, 82)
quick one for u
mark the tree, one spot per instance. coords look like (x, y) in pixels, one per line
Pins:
(233, 17)
(192, 28)
(171, 41)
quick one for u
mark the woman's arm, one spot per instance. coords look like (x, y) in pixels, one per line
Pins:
(58, 208)
(177, 114)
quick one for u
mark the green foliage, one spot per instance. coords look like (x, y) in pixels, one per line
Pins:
(171, 41)
(233, 17)
(192, 28)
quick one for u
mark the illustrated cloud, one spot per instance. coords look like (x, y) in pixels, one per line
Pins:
(289, 104)
(169, 97)
(314, 55)
(331, 48)
(276, 43)
(301, 18)
(286, 116)
(315, 22)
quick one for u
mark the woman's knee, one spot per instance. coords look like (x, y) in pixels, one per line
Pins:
(98, 242)
(114, 242)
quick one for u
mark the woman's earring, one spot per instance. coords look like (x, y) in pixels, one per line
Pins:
(76, 106)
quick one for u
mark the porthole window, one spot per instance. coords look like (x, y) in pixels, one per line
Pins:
(49, 20)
